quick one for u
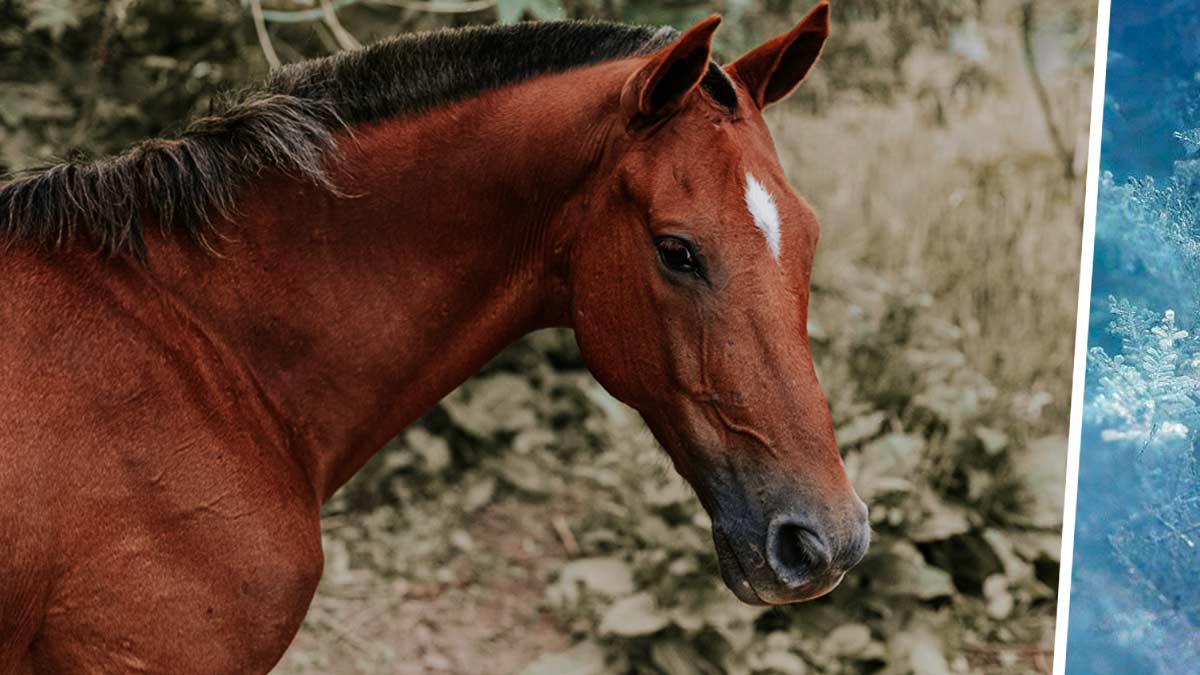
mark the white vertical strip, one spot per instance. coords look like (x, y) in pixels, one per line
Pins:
(762, 209)
(1081, 339)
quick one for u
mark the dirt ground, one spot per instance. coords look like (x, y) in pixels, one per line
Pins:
(489, 619)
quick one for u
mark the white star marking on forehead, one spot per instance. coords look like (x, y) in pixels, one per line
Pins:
(762, 207)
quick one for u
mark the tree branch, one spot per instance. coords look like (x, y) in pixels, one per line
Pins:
(1065, 154)
(264, 39)
(344, 38)
(430, 6)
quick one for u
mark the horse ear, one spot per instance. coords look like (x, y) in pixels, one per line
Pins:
(663, 85)
(773, 69)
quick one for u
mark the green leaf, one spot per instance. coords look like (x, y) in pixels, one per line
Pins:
(903, 571)
(1042, 466)
(501, 402)
(860, 428)
(732, 618)
(585, 658)
(886, 464)
(434, 451)
(479, 494)
(676, 657)
(527, 475)
(918, 650)
(1015, 568)
(941, 520)
(633, 616)
(609, 576)
(1000, 601)
(848, 640)
(781, 661)
(925, 654)
(656, 12)
(511, 11)
(1036, 545)
(546, 10)
(994, 441)
(54, 16)
(21, 103)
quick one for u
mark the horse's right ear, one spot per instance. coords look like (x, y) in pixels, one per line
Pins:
(663, 85)
(772, 70)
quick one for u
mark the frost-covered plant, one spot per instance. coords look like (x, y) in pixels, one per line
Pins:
(1145, 396)
(1160, 551)
(1149, 391)
(1154, 228)
(1190, 140)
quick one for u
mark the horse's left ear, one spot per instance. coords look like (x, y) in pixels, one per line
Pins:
(773, 69)
(663, 84)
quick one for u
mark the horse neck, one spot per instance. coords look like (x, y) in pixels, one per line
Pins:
(354, 314)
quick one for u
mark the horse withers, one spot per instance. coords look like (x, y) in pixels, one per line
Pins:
(203, 338)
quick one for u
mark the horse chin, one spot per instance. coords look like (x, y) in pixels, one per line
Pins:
(733, 573)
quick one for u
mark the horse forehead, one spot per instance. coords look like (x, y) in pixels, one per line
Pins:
(760, 202)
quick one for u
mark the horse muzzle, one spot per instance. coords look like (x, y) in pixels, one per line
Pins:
(788, 556)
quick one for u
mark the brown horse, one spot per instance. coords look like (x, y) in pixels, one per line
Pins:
(201, 339)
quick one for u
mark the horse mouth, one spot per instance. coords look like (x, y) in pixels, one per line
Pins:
(732, 572)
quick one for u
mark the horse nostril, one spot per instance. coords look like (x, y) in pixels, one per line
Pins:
(796, 553)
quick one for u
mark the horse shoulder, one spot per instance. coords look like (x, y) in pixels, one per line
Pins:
(165, 527)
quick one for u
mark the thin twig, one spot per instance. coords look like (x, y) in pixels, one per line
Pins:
(264, 39)
(1039, 88)
(565, 536)
(114, 16)
(343, 36)
(326, 39)
(429, 6)
(303, 15)
(440, 6)
(1024, 648)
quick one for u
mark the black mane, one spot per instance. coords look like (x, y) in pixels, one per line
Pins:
(289, 124)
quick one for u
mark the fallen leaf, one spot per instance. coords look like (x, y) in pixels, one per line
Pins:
(634, 615)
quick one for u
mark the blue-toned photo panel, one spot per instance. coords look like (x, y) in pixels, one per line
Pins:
(1135, 596)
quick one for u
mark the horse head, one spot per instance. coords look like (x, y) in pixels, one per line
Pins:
(690, 287)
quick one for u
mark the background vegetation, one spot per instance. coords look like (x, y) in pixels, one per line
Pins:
(529, 523)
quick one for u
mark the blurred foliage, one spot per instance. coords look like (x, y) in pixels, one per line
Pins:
(957, 444)
(82, 76)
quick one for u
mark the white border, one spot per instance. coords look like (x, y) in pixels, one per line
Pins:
(1081, 338)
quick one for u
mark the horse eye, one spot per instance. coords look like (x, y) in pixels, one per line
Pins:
(677, 255)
